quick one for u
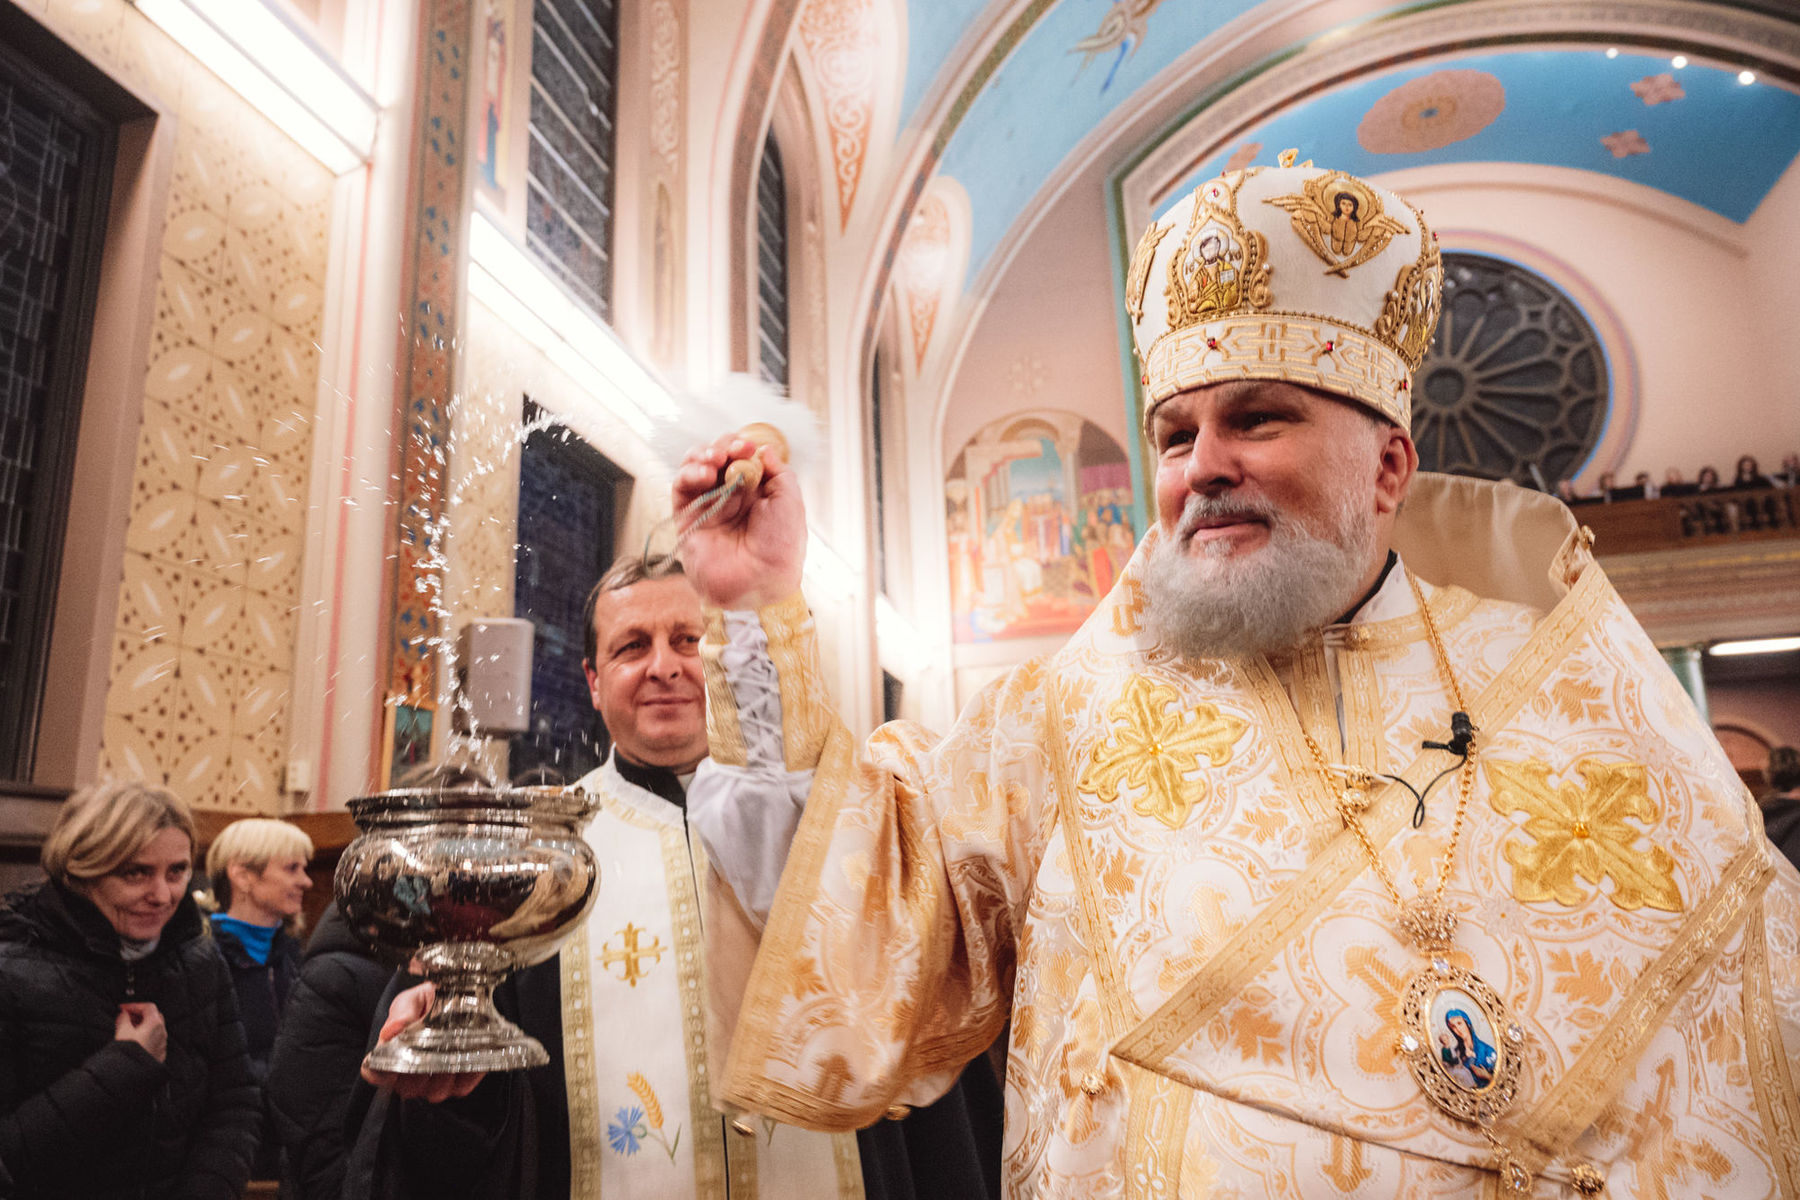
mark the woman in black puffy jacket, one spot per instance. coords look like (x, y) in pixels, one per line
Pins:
(122, 1064)
(313, 1074)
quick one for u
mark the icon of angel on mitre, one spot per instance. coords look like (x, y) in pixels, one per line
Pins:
(1340, 218)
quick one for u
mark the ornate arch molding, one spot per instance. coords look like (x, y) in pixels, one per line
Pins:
(766, 65)
(1142, 185)
(929, 269)
(840, 49)
(979, 54)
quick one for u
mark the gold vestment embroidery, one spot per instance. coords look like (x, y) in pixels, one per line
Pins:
(1583, 830)
(1152, 747)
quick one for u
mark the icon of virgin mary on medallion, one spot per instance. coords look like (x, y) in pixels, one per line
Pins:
(1464, 1049)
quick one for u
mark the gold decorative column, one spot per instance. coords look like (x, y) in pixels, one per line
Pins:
(431, 295)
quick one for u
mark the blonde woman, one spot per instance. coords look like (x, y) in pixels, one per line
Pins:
(259, 879)
(122, 1064)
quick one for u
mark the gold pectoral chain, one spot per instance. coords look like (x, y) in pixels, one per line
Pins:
(1431, 927)
(1355, 796)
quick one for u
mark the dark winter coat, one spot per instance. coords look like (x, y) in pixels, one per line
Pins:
(324, 1030)
(262, 989)
(509, 1138)
(85, 1114)
(1781, 820)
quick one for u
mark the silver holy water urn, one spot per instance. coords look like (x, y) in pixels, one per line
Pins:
(467, 883)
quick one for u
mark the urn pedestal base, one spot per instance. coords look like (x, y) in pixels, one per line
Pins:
(463, 1032)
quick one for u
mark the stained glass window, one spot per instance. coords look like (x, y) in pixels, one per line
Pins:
(567, 509)
(1515, 377)
(772, 266)
(55, 168)
(569, 167)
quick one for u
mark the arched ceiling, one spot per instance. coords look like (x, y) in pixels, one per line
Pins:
(1009, 93)
(1718, 136)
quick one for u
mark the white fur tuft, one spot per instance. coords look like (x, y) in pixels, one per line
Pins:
(734, 402)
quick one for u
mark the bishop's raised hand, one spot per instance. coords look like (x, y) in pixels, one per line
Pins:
(749, 553)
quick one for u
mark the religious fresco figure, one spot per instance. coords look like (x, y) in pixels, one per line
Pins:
(1037, 526)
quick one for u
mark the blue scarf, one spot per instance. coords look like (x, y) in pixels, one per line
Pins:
(256, 939)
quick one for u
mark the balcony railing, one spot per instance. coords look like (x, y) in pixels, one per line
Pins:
(1697, 519)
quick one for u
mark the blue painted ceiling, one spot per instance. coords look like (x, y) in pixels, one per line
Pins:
(1715, 141)
(1721, 144)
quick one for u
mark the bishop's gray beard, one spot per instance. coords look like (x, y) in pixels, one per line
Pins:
(1216, 604)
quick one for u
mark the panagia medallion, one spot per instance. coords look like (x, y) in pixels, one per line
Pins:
(1464, 1048)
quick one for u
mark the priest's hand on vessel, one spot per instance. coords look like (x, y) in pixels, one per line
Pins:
(408, 1007)
(749, 553)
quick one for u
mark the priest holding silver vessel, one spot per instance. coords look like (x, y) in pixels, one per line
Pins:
(624, 1105)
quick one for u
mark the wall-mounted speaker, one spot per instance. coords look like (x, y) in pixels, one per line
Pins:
(494, 657)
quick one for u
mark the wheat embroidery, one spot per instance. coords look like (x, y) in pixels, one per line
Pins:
(636, 1124)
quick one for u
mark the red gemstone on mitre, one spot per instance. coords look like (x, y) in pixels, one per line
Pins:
(1212, 343)
(1329, 346)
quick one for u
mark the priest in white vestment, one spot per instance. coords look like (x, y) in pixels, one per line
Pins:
(1348, 849)
(626, 1108)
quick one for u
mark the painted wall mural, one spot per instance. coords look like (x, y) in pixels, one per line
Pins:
(493, 124)
(1038, 512)
(1431, 112)
(1122, 30)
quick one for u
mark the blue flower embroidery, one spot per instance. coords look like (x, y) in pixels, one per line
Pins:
(625, 1133)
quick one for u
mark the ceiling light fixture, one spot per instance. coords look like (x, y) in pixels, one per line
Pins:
(269, 60)
(1746, 77)
(1773, 645)
(1678, 62)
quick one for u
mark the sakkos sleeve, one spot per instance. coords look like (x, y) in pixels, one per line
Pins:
(887, 959)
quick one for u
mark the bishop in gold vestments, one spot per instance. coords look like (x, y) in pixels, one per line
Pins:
(1176, 874)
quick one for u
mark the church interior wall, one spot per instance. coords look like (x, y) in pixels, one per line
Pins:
(1682, 282)
(1770, 708)
(80, 656)
(202, 648)
(206, 649)
(1045, 338)
(1772, 295)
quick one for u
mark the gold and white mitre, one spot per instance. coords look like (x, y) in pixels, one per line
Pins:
(1301, 274)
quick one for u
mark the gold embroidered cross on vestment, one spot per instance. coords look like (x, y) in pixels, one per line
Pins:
(632, 954)
(1153, 745)
(1584, 831)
